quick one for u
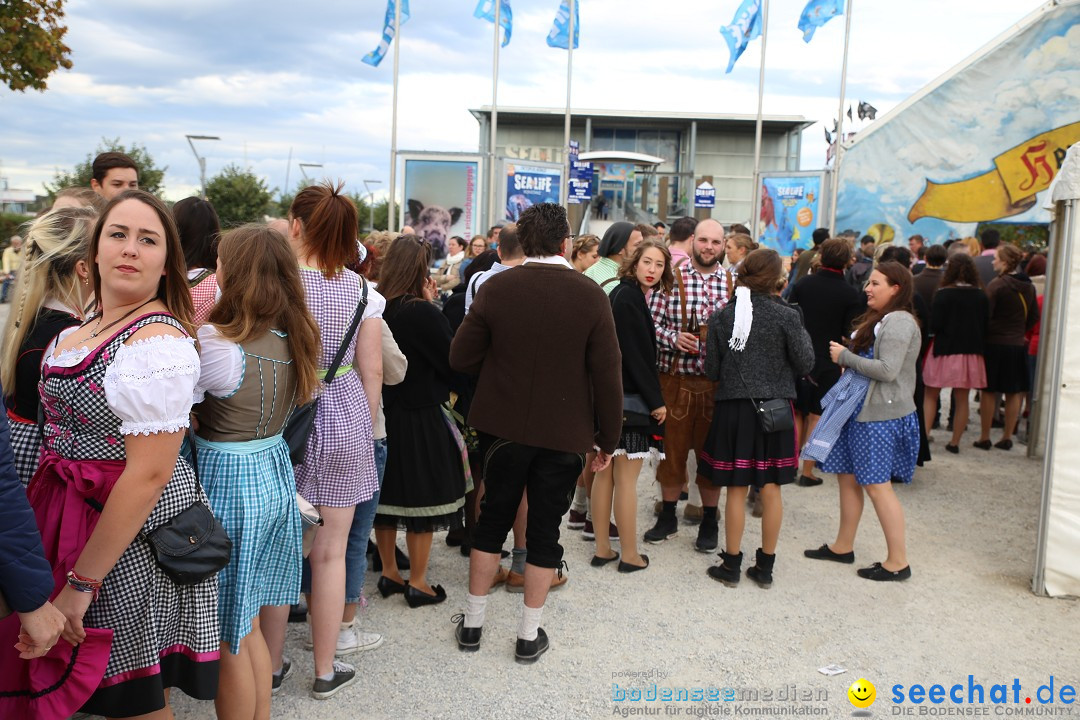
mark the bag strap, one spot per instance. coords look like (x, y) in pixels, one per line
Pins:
(682, 317)
(194, 456)
(609, 281)
(1024, 303)
(738, 369)
(332, 370)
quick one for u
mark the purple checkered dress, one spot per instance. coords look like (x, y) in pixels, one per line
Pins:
(339, 466)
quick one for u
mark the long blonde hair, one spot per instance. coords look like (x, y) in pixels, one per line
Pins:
(261, 289)
(55, 242)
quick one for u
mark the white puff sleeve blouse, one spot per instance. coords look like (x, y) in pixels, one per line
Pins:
(150, 383)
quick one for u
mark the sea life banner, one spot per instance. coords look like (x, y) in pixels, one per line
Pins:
(790, 208)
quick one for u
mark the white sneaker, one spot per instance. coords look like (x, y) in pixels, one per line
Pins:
(353, 640)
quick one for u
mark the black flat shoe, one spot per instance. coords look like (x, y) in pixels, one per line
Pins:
(416, 598)
(825, 553)
(809, 481)
(388, 587)
(529, 651)
(598, 561)
(879, 573)
(954, 449)
(625, 567)
(983, 444)
(1003, 444)
(468, 639)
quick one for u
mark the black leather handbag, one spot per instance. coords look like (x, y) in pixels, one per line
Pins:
(192, 546)
(302, 418)
(635, 412)
(773, 415)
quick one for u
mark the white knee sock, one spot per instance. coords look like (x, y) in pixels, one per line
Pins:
(475, 608)
(530, 622)
(580, 498)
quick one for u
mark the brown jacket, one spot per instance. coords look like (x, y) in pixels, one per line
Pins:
(542, 339)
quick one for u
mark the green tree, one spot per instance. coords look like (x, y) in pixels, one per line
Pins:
(31, 42)
(382, 215)
(239, 196)
(151, 177)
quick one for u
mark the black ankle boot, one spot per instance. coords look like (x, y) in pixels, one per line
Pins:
(761, 572)
(729, 571)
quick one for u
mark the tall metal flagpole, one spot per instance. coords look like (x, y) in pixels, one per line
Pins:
(760, 98)
(391, 219)
(494, 117)
(566, 125)
(840, 123)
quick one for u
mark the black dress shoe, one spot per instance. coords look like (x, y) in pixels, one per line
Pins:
(825, 553)
(468, 639)
(809, 481)
(388, 587)
(529, 651)
(625, 567)
(1003, 444)
(879, 573)
(954, 449)
(598, 561)
(983, 444)
(416, 598)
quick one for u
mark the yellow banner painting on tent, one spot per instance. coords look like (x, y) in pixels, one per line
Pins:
(1008, 190)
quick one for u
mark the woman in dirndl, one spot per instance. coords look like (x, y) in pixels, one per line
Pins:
(427, 473)
(117, 395)
(259, 352)
(52, 289)
(756, 347)
(338, 472)
(199, 229)
(873, 436)
(958, 318)
(648, 270)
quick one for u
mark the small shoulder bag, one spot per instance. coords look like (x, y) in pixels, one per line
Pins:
(773, 415)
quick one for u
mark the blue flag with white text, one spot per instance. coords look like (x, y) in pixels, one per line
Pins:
(485, 10)
(559, 37)
(744, 27)
(817, 13)
(375, 57)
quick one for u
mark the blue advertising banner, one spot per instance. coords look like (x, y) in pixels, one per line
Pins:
(527, 185)
(580, 183)
(790, 207)
(705, 196)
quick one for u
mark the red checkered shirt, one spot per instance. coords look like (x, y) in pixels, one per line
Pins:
(705, 295)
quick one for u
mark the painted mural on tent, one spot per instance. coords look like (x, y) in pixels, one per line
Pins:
(982, 147)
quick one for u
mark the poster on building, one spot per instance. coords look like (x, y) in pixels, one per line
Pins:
(581, 182)
(789, 210)
(529, 184)
(442, 197)
(705, 195)
(979, 145)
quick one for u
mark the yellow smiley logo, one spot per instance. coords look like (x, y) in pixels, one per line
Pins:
(862, 693)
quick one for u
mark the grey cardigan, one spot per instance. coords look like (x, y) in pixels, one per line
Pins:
(891, 394)
(778, 350)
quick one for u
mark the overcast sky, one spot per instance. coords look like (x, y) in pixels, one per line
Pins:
(272, 75)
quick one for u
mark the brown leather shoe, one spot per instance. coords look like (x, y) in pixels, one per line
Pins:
(515, 582)
(500, 576)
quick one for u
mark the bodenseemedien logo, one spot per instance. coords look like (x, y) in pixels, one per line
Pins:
(862, 694)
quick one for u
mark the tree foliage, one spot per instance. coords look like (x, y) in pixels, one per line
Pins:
(31, 42)
(151, 177)
(239, 196)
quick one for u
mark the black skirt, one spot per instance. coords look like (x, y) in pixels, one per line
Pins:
(424, 485)
(739, 454)
(1006, 368)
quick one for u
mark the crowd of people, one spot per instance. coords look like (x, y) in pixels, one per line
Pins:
(153, 364)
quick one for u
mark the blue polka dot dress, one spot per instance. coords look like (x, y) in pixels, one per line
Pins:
(875, 452)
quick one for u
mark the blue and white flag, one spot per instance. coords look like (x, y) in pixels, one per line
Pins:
(817, 13)
(559, 37)
(485, 10)
(744, 27)
(375, 57)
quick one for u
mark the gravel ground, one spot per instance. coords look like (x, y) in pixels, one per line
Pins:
(967, 610)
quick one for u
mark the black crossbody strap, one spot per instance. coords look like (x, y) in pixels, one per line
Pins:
(332, 370)
(738, 369)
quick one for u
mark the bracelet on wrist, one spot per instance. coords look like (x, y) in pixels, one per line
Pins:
(83, 584)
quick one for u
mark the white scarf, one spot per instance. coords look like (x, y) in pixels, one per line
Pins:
(455, 258)
(744, 319)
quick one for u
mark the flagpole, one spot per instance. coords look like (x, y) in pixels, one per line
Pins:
(760, 99)
(840, 123)
(494, 116)
(564, 190)
(391, 216)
